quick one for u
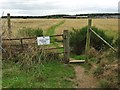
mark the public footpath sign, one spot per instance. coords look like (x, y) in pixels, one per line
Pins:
(45, 40)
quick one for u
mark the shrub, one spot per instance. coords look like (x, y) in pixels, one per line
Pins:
(98, 71)
(29, 32)
(78, 40)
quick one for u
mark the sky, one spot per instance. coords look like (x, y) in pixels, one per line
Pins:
(50, 7)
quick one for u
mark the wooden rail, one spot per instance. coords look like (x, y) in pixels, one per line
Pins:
(103, 40)
(31, 37)
(89, 31)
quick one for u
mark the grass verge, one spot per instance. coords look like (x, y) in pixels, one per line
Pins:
(49, 75)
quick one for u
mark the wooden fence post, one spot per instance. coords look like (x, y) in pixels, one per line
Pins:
(66, 46)
(9, 25)
(9, 32)
(21, 41)
(88, 39)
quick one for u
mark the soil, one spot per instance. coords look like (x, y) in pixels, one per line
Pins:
(84, 80)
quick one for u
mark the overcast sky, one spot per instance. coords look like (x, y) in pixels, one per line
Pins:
(49, 7)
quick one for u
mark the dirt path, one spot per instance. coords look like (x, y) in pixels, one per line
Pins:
(84, 80)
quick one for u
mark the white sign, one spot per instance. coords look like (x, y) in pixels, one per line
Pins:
(43, 40)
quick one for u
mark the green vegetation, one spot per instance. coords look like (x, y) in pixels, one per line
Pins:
(102, 61)
(52, 74)
(37, 68)
(78, 57)
(29, 32)
(111, 33)
(117, 42)
(78, 40)
(34, 55)
(51, 30)
(106, 69)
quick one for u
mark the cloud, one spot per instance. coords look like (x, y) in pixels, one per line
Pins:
(29, 6)
(46, 7)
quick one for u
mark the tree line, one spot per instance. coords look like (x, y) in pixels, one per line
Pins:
(93, 15)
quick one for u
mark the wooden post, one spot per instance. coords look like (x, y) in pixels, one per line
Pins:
(9, 32)
(88, 39)
(66, 46)
(21, 43)
(9, 25)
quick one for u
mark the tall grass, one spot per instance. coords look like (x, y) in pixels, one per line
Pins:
(29, 32)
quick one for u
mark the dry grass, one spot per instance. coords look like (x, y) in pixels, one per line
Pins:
(71, 23)
(45, 24)
(106, 24)
(17, 24)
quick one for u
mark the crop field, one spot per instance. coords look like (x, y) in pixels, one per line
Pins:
(69, 24)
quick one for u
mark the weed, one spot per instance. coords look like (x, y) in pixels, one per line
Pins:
(98, 71)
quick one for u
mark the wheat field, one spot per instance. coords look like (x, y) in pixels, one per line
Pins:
(104, 24)
(18, 24)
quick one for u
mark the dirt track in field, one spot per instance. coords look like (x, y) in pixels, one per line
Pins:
(83, 79)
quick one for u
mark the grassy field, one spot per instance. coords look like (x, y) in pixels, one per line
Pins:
(46, 24)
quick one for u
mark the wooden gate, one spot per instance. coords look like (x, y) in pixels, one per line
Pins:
(22, 45)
